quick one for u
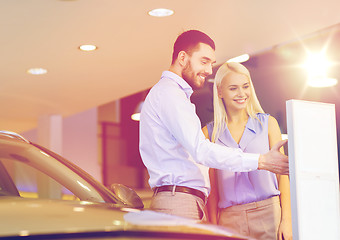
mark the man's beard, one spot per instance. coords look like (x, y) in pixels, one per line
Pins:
(189, 76)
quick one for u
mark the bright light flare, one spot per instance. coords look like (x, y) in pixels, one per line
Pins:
(317, 66)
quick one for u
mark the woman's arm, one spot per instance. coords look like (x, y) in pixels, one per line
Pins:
(285, 229)
(213, 196)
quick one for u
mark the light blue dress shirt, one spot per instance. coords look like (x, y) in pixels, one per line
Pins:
(172, 145)
(237, 188)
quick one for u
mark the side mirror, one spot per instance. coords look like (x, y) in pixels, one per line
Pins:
(127, 195)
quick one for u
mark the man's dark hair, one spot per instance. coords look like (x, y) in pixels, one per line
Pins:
(188, 40)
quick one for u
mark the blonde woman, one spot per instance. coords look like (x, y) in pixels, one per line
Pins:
(255, 203)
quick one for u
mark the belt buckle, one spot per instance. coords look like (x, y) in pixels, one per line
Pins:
(173, 190)
(155, 191)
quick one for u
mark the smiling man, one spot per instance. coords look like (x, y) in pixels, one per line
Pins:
(173, 147)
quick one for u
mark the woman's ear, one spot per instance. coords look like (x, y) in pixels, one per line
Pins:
(219, 91)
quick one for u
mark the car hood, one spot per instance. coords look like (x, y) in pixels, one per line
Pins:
(30, 217)
(35, 216)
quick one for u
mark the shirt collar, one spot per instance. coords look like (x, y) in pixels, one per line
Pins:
(251, 124)
(180, 81)
(248, 135)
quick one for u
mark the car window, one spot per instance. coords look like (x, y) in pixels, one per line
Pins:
(31, 183)
(35, 171)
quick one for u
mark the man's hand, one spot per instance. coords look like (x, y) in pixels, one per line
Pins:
(274, 161)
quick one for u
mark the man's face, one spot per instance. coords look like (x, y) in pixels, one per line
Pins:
(199, 66)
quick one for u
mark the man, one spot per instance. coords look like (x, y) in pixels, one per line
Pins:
(172, 145)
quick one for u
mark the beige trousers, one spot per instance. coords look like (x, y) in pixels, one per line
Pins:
(259, 220)
(179, 204)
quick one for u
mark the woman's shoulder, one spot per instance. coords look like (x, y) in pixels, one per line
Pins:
(272, 122)
(205, 131)
(268, 120)
(263, 117)
(209, 126)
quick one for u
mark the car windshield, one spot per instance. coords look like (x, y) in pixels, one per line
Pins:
(20, 179)
(31, 171)
(103, 191)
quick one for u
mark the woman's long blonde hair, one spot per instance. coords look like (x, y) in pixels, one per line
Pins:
(220, 114)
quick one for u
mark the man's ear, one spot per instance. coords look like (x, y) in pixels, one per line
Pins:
(182, 58)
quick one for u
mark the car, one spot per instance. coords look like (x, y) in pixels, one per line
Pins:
(30, 170)
(44, 196)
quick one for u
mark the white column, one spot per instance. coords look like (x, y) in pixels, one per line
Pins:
(50, 136)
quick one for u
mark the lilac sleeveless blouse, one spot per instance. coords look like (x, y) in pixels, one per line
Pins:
(237, 188)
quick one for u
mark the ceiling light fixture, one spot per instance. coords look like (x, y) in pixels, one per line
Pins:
(87, 47)
(37, 71)
(317, 66)
(136, 115)
(161, 12)
(240, 59)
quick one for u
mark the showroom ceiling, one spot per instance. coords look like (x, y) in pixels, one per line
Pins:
(133, 47)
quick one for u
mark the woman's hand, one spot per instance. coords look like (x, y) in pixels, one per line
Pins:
(285, 230)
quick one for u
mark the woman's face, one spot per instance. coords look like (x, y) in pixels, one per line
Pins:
(235, 91)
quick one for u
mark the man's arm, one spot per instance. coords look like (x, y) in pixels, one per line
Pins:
(179, 116)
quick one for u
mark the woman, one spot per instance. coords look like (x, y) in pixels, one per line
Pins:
(255, 203)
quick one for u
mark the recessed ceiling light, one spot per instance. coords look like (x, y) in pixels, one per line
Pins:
(37, 71)
(161, 12)
(87, 47)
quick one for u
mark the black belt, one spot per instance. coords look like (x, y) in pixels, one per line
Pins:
(169, 188)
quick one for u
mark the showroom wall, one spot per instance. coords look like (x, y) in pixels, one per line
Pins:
(79, 142)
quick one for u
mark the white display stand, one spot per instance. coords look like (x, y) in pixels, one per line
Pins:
(314, 172)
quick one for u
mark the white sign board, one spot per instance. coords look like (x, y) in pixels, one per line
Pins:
(314, 173)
